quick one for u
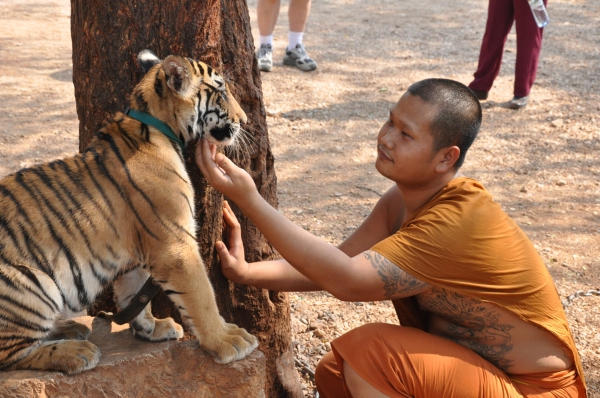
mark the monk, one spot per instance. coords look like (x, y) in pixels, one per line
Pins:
(479, 313)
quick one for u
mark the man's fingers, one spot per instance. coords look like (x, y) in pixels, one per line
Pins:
(224, 163)
(201, 155)
(230, 218)
(222, 252)
(205, 154)
(235, 230)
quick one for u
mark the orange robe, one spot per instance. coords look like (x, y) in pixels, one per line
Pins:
(462, 241)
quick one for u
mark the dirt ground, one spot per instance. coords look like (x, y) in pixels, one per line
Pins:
(540, 163)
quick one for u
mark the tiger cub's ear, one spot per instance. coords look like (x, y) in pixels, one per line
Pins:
(178, 72)
(147, 59)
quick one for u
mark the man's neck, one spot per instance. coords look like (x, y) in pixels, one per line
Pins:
(416, 197)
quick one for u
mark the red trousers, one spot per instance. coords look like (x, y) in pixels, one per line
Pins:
(406, 362)
(501, 14)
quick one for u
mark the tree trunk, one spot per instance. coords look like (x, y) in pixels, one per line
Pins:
(107, 35)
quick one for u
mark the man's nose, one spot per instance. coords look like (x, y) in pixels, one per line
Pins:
(387, 138)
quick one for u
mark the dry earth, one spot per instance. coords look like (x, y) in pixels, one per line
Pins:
(540, 163)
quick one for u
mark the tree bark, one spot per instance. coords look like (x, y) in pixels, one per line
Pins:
(107, 35)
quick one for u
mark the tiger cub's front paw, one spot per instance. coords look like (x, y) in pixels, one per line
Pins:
(231, 343)
(157, 330)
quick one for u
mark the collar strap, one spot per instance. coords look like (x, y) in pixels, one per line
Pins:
(157, 124)
(137, 304)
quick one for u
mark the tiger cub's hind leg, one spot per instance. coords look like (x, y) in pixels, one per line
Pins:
(67, 356)
(29, 310)
(144, 325)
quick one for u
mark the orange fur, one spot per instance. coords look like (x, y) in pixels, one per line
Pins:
(122, 210)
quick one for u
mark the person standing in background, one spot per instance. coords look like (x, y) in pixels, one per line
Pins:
(501, 15)
(267, 12)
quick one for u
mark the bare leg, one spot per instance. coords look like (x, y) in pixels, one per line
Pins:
(358, 386)
(267, 12)
(298, 12)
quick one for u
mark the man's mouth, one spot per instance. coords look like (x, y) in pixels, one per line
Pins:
(383, 155)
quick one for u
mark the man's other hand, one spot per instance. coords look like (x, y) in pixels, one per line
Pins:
(233, 264)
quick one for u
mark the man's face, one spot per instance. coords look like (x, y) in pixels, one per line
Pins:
(405, 143)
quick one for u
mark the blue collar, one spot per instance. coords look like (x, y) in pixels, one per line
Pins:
(157, 124)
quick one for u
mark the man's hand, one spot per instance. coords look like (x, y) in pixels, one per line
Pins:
(233, 264)
(222, 174)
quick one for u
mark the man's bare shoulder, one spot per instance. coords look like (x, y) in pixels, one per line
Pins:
(378, 224)
(493, 332)
(393, 208)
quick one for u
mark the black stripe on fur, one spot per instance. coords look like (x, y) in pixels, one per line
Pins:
(106, 173)
(4, 191)
(158, 87)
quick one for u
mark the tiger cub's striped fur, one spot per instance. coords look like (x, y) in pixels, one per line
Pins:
(70, 227)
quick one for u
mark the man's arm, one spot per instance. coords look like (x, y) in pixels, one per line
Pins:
(384, 220)
(390, 282)
(365, 277)
(276, 275)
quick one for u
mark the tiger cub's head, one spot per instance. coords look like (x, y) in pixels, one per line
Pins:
(189, 96)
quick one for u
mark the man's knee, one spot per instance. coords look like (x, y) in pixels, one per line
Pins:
(365, 344)
(329, 378)
(327, 369)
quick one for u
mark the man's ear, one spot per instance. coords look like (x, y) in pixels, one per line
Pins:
(448, 157)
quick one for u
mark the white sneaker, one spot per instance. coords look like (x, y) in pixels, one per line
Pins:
(265, 57)
(299, 58)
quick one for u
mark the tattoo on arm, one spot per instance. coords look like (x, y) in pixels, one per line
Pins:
(396, 282)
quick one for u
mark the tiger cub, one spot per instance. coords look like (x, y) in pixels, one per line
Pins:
(70, 227)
